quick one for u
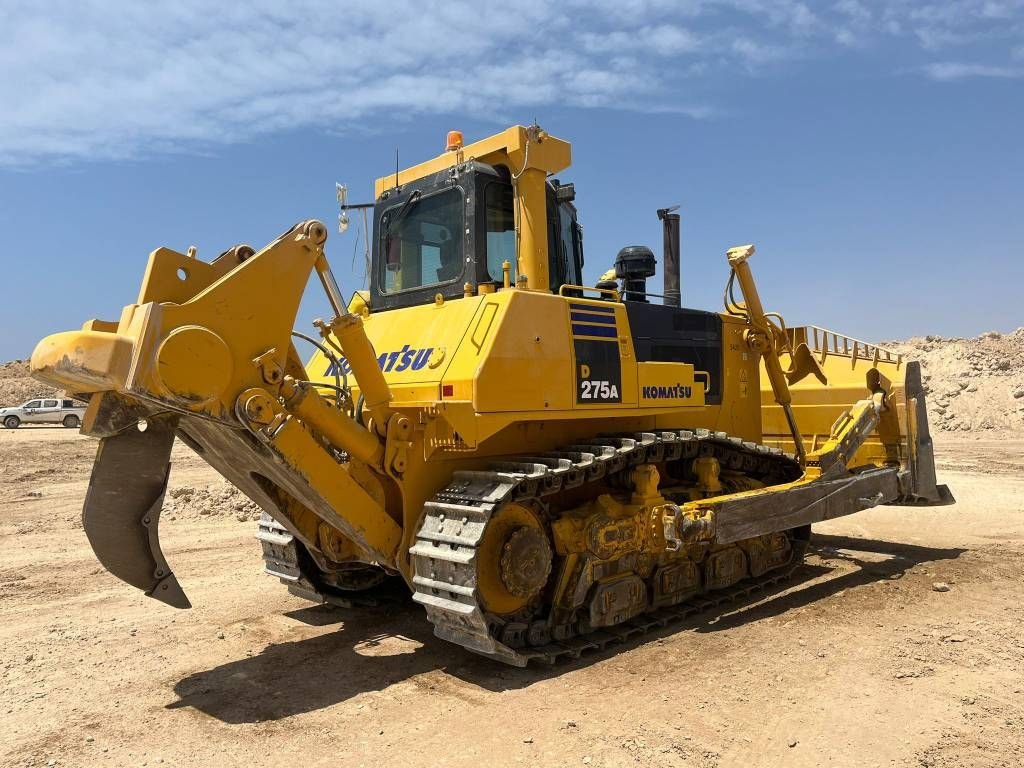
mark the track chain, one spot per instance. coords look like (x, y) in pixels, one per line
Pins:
(281, 559)
(452, 528)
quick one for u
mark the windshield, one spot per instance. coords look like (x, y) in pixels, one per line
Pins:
(421, 241)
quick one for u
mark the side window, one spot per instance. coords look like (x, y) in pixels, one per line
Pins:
(501, 228)
(49, 403)
(577, 240)
(68, 404)
(568, 236)
(31, 404)
(565, 245)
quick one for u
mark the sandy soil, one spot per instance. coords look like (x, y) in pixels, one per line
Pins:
(860, 662)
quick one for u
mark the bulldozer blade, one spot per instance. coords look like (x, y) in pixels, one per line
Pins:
(122, 508)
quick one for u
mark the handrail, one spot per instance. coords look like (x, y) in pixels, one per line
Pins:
(826, 342)
(604, 291)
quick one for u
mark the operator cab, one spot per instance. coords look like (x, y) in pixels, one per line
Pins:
(436, 234)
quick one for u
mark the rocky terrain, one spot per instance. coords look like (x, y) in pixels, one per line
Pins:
(16, 386)
(219, 498)
(974, 384)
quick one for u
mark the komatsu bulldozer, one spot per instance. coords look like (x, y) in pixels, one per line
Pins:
(547, 466)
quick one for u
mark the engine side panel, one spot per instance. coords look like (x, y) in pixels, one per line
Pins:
(493, 362)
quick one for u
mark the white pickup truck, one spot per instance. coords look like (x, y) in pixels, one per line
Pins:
(43, 410)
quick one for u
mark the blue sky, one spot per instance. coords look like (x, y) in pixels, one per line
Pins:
(871, 150)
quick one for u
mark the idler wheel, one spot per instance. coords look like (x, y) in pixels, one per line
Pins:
(514, 561)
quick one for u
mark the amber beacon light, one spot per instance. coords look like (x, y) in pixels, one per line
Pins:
(454, 141)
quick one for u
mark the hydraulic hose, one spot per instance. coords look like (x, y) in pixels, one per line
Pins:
(335, 365)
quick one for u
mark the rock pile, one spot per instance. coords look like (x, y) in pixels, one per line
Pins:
(973, 384)
(219, 500)
(16, 386)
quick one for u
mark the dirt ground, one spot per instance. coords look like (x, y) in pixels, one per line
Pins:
(858, 662)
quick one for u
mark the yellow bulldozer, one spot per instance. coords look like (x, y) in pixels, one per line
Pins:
(547, 466)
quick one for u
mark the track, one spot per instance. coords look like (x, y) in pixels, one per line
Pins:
(452, 529)
(282, 558)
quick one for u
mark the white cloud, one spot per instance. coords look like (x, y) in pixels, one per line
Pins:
(755, 52)
(663, 39)
(952, 70)
(88, 79)
(946, 23)
(856, 24)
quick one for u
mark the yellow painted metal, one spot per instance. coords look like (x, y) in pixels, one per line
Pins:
(762, 338)
(641, 528)
(305, 402)
(502, 378)
(194, 348)
(360, 303)
(193, 364)
(83, 361)
(213, 315)
(501, 356)
(847, 435)
(850, 366)
(810, 377)
(707, 470)
(520, 364)
(669, 385)
(493, 591)
(531, 226)
(358, 351)
(356, 513)
(415, 345)
(509, 148)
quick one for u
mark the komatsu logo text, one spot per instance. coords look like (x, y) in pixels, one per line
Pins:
(406, 358)
(671, 392)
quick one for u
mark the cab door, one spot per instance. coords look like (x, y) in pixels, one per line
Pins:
(30, 411)
(49, 412)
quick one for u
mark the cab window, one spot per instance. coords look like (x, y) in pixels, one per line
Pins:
(422, 242)
(49, 403)
(31, 404)
(570, 251)
(501, 228)
(565, 245)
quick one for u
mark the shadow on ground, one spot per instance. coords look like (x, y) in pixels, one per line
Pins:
(313, 673)
(891, 560)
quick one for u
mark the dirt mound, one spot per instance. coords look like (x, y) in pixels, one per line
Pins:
(16, 386)
(217, 500)
(973, 384)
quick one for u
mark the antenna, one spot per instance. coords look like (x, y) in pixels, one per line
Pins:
(396, 166)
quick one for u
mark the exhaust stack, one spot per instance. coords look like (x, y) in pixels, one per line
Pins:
(670, 255)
